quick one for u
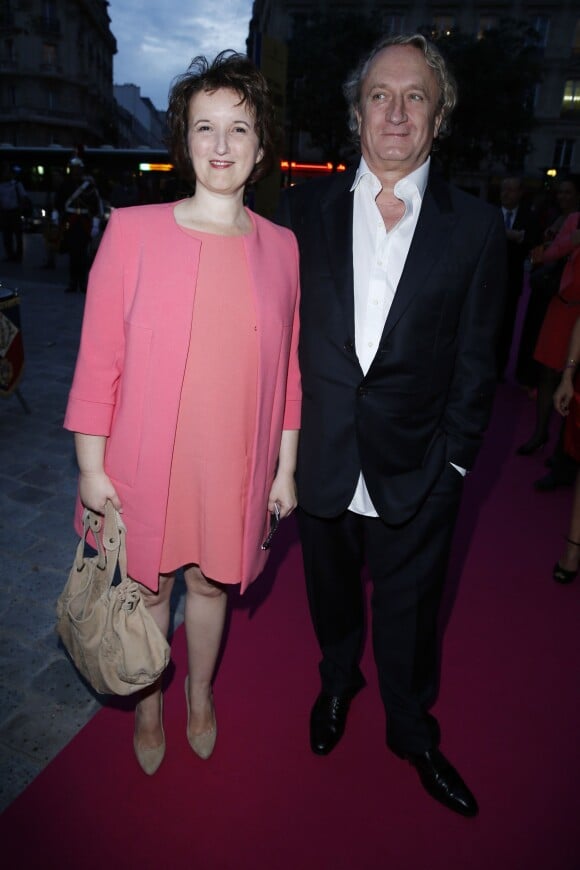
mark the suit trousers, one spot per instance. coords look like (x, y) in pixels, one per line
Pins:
(407, 565)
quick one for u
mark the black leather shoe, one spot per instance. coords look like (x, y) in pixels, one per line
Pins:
(530, 447)
(327, 721)
(552, 481)
(442, 782)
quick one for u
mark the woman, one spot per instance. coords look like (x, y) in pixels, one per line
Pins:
(557, 325)
(566, 403)
(544, 283)
(186, 397)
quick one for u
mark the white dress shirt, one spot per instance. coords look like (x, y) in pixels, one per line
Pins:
(512, 213)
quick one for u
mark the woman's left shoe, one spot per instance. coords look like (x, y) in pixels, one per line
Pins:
(202, 744)
(150, 759)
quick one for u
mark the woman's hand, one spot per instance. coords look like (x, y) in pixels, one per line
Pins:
(563, 394)
(95, 487)
(283, 492)
(283, 489)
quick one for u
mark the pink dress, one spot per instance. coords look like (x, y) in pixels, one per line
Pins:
(215, 426)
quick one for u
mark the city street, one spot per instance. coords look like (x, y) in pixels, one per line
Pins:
(43, 703)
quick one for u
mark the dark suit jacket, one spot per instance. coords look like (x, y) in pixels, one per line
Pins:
(427, 396)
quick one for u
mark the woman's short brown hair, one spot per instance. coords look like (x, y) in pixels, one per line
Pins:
(232, 71)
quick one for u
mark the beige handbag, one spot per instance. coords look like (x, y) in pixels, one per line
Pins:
(108, 632)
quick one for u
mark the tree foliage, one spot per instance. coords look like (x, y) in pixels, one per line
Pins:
(324, 48)
(496, 75)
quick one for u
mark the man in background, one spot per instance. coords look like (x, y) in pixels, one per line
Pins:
(80, 212)
(522, 232)
(13, 200)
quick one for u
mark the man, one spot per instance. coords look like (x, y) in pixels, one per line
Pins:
(402, 295)
(522, 232)
(80, 212)
(13, 200)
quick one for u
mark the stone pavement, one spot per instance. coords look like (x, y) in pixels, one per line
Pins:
(43, 702)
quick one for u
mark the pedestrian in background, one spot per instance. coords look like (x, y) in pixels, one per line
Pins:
(567, 403)
(522, 230)
(80, 212)
(544, 284)
(13, 202)
(557, 326)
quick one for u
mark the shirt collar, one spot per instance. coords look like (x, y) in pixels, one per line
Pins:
(416, 179)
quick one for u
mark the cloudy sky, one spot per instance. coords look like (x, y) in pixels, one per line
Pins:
(156, 39)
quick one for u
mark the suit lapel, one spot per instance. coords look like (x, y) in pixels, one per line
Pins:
(433, 227)
(435, 222)
(336, 214)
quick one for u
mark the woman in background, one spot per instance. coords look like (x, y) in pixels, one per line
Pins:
(567, 403)
(557, 325)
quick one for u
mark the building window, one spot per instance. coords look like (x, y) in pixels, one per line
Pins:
(48, 21)
(571, 100)
(393, 25)
(49, 54)
(486, 22)
(8, 55)
(563, 153)
(541, 24)
(576, 39)
(6, 15)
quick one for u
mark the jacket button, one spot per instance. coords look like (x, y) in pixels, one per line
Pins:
(348, 345)
(362, 391)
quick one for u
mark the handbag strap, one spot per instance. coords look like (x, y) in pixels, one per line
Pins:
(114, 534)
(93, 522)
(109, 534)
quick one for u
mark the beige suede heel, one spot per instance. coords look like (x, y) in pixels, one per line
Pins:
(202, 744)
(150, 759)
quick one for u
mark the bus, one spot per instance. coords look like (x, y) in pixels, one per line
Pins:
(149, 170)
(42, 170)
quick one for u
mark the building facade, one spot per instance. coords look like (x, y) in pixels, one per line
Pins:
(56, 73)
(139, 123)
(555, 140)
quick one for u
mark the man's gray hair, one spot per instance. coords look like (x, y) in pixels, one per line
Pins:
(447, 86)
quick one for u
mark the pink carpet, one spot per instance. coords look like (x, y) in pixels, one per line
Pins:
(509, 707)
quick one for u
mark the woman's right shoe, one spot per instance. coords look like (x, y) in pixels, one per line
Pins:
(202, 744)
(565, 575)
(150, 759)
(562, 575)
(531, 446)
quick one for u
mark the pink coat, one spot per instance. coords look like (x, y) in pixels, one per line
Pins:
(131, 363)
